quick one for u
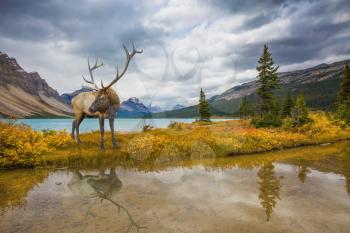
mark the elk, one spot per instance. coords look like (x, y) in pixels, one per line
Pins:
(101, 102)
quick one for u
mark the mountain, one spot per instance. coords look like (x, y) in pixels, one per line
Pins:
(178, 106)
(24, 94)
(67, 97)
(154, 109)
(133, 108)
(319, 84)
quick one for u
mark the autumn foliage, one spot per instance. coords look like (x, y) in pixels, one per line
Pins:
(22, 146)
(230, 138)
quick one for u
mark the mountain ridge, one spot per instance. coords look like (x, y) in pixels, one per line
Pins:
(319, 84)
(26, 94)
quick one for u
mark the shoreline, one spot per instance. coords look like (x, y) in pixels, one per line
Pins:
(178, 142)
(189, 162)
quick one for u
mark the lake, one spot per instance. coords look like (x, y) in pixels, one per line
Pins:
(297, 190)
(90, 124)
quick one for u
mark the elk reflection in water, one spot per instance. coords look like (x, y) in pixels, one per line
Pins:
(103, 186)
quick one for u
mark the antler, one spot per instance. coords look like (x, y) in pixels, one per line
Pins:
(91, 75)
(129, 56)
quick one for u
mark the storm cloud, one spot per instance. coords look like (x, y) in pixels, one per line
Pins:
(187, 44)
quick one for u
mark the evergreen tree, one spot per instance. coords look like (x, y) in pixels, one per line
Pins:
(252, 110)
(204, 111)
(343, 103)
(244, 108)
(300, 112)
(275, 108)
(268, 80)
(288, 105)
(343, 111)
(344, 92)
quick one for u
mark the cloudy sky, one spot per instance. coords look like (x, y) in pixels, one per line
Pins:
(212, 44)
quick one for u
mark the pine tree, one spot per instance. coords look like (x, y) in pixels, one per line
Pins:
(244, 108)
(268, 81)
(300, 112)
(275, 108)
(344, 92)
(288, 105)
(204, 110)
(343, 102)
(343, 111)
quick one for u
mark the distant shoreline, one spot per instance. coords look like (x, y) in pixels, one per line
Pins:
(57, 117)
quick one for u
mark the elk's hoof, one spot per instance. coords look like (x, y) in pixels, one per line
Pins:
(116, 145)
(102, 148)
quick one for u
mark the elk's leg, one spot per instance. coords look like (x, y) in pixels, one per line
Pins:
(111, 115)
(102, 129)
(112, 172)
(78, 120)
(111, 125)
(73, 129)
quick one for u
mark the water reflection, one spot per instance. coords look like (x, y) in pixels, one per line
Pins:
(269, 186)
(215, 195)
(15, 184)
(334, 158)
(345, 167)
(103, 186)
(302, 171)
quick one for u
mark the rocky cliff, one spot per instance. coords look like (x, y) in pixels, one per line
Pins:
(26, 94)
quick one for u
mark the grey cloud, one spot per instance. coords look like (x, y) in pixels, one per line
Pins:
(251, 6)
(98, 29)
(312, 34)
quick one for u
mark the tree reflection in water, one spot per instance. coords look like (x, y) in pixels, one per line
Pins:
(103, 186)
(302, 171)
(345, 167)
(269, 186)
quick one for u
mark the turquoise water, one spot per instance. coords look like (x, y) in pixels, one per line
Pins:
(91, 124)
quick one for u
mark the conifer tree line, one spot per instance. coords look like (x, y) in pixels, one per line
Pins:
(270, 112)
(343, 100)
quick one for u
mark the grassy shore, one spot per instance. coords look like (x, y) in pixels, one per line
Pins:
(20, 146)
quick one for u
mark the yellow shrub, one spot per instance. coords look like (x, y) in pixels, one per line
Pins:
(322, 128)
(22, 146)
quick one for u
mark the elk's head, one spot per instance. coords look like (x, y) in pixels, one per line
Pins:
(101, 102)
(103, 98)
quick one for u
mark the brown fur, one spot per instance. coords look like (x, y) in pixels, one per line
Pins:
(82, 102)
